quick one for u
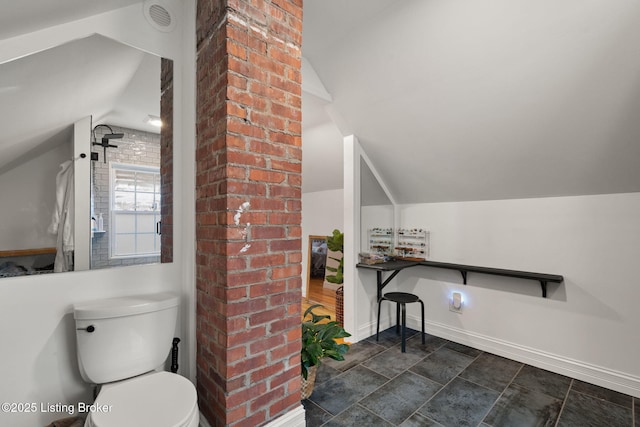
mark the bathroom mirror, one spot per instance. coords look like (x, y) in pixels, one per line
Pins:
(319, 289)
(376, 213)
(116, 89)
(316, 265)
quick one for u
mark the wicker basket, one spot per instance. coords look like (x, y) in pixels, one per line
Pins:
(340, 306)
(306, 386)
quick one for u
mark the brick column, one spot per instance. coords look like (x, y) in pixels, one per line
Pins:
(248, 209)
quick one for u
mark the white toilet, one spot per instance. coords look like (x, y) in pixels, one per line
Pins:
(121, 341)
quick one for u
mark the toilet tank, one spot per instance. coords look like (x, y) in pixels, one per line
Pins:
(120, 338)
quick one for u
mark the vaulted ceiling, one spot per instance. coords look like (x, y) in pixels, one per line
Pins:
(490, 99)
(453, 100)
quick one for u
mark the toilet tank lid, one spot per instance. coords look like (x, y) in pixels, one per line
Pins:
(124, 306)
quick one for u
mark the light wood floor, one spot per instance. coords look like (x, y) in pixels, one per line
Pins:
(317, 294)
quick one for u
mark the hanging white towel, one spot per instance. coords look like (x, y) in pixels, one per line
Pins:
(62, 220)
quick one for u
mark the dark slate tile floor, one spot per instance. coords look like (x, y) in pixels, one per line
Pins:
(442, 383)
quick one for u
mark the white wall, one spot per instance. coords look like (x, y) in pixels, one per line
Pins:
(380, 216)
(36, 324)
(322, 212)
(28, 198)
(586, 328)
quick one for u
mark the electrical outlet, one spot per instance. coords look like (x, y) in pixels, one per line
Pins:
(455, 302)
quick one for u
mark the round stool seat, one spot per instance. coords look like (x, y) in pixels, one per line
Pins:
(401, 297)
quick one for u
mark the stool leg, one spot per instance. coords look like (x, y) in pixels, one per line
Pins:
(404, 327)
(422, 309)
(397, 318)
(378, 327)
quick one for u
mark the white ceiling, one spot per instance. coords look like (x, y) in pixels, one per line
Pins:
(25, 16)
(42, 95)
(451, 100)
(489, 99)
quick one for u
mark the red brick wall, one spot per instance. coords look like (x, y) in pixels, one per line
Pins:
(248, 258)
(166, 159)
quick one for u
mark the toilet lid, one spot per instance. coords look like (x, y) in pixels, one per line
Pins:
(161, 399)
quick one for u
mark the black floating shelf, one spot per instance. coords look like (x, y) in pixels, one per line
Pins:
(398, 265)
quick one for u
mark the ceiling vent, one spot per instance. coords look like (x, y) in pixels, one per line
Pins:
(159, 15)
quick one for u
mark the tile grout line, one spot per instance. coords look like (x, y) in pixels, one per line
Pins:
(439, 390)
(564, 402)
(406, 370)
(364, 397)
(444, 385)
(501, 393)
(415, 373)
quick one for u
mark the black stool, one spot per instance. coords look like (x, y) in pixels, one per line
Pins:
(401, 299)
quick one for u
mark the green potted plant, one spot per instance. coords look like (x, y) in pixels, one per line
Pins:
(335, 243)
(319, 335)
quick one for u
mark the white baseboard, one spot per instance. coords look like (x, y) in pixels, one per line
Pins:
(294, 418)
(604, 377)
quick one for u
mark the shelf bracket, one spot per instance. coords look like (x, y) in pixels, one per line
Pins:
(464, 276)
(382, 284)
(543, 285)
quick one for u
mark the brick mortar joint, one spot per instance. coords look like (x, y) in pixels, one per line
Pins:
(232, 15)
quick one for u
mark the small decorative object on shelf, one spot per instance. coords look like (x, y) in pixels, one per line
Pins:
(381, 241)
(370, 259)
(412, 244)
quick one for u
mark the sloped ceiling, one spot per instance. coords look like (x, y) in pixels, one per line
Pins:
(451, 100)
(25, 16)
(42, 95)
(491, 99)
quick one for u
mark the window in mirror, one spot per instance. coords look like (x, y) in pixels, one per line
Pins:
(135, 211)
(126, 193)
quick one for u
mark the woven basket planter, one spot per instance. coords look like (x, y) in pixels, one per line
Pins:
(340, 306)
(306, 386)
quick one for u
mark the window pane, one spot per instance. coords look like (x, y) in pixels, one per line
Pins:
(124, 223)
(145, 202)
(145, 182)
(124, 180)
(146, 243)
(146, 223)
(125, 244)
(123, 201)
(135, 199)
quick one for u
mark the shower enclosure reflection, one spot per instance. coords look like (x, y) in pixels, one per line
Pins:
(125, 201)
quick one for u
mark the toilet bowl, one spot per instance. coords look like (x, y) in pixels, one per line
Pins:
(121, 342)
(155, 399)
